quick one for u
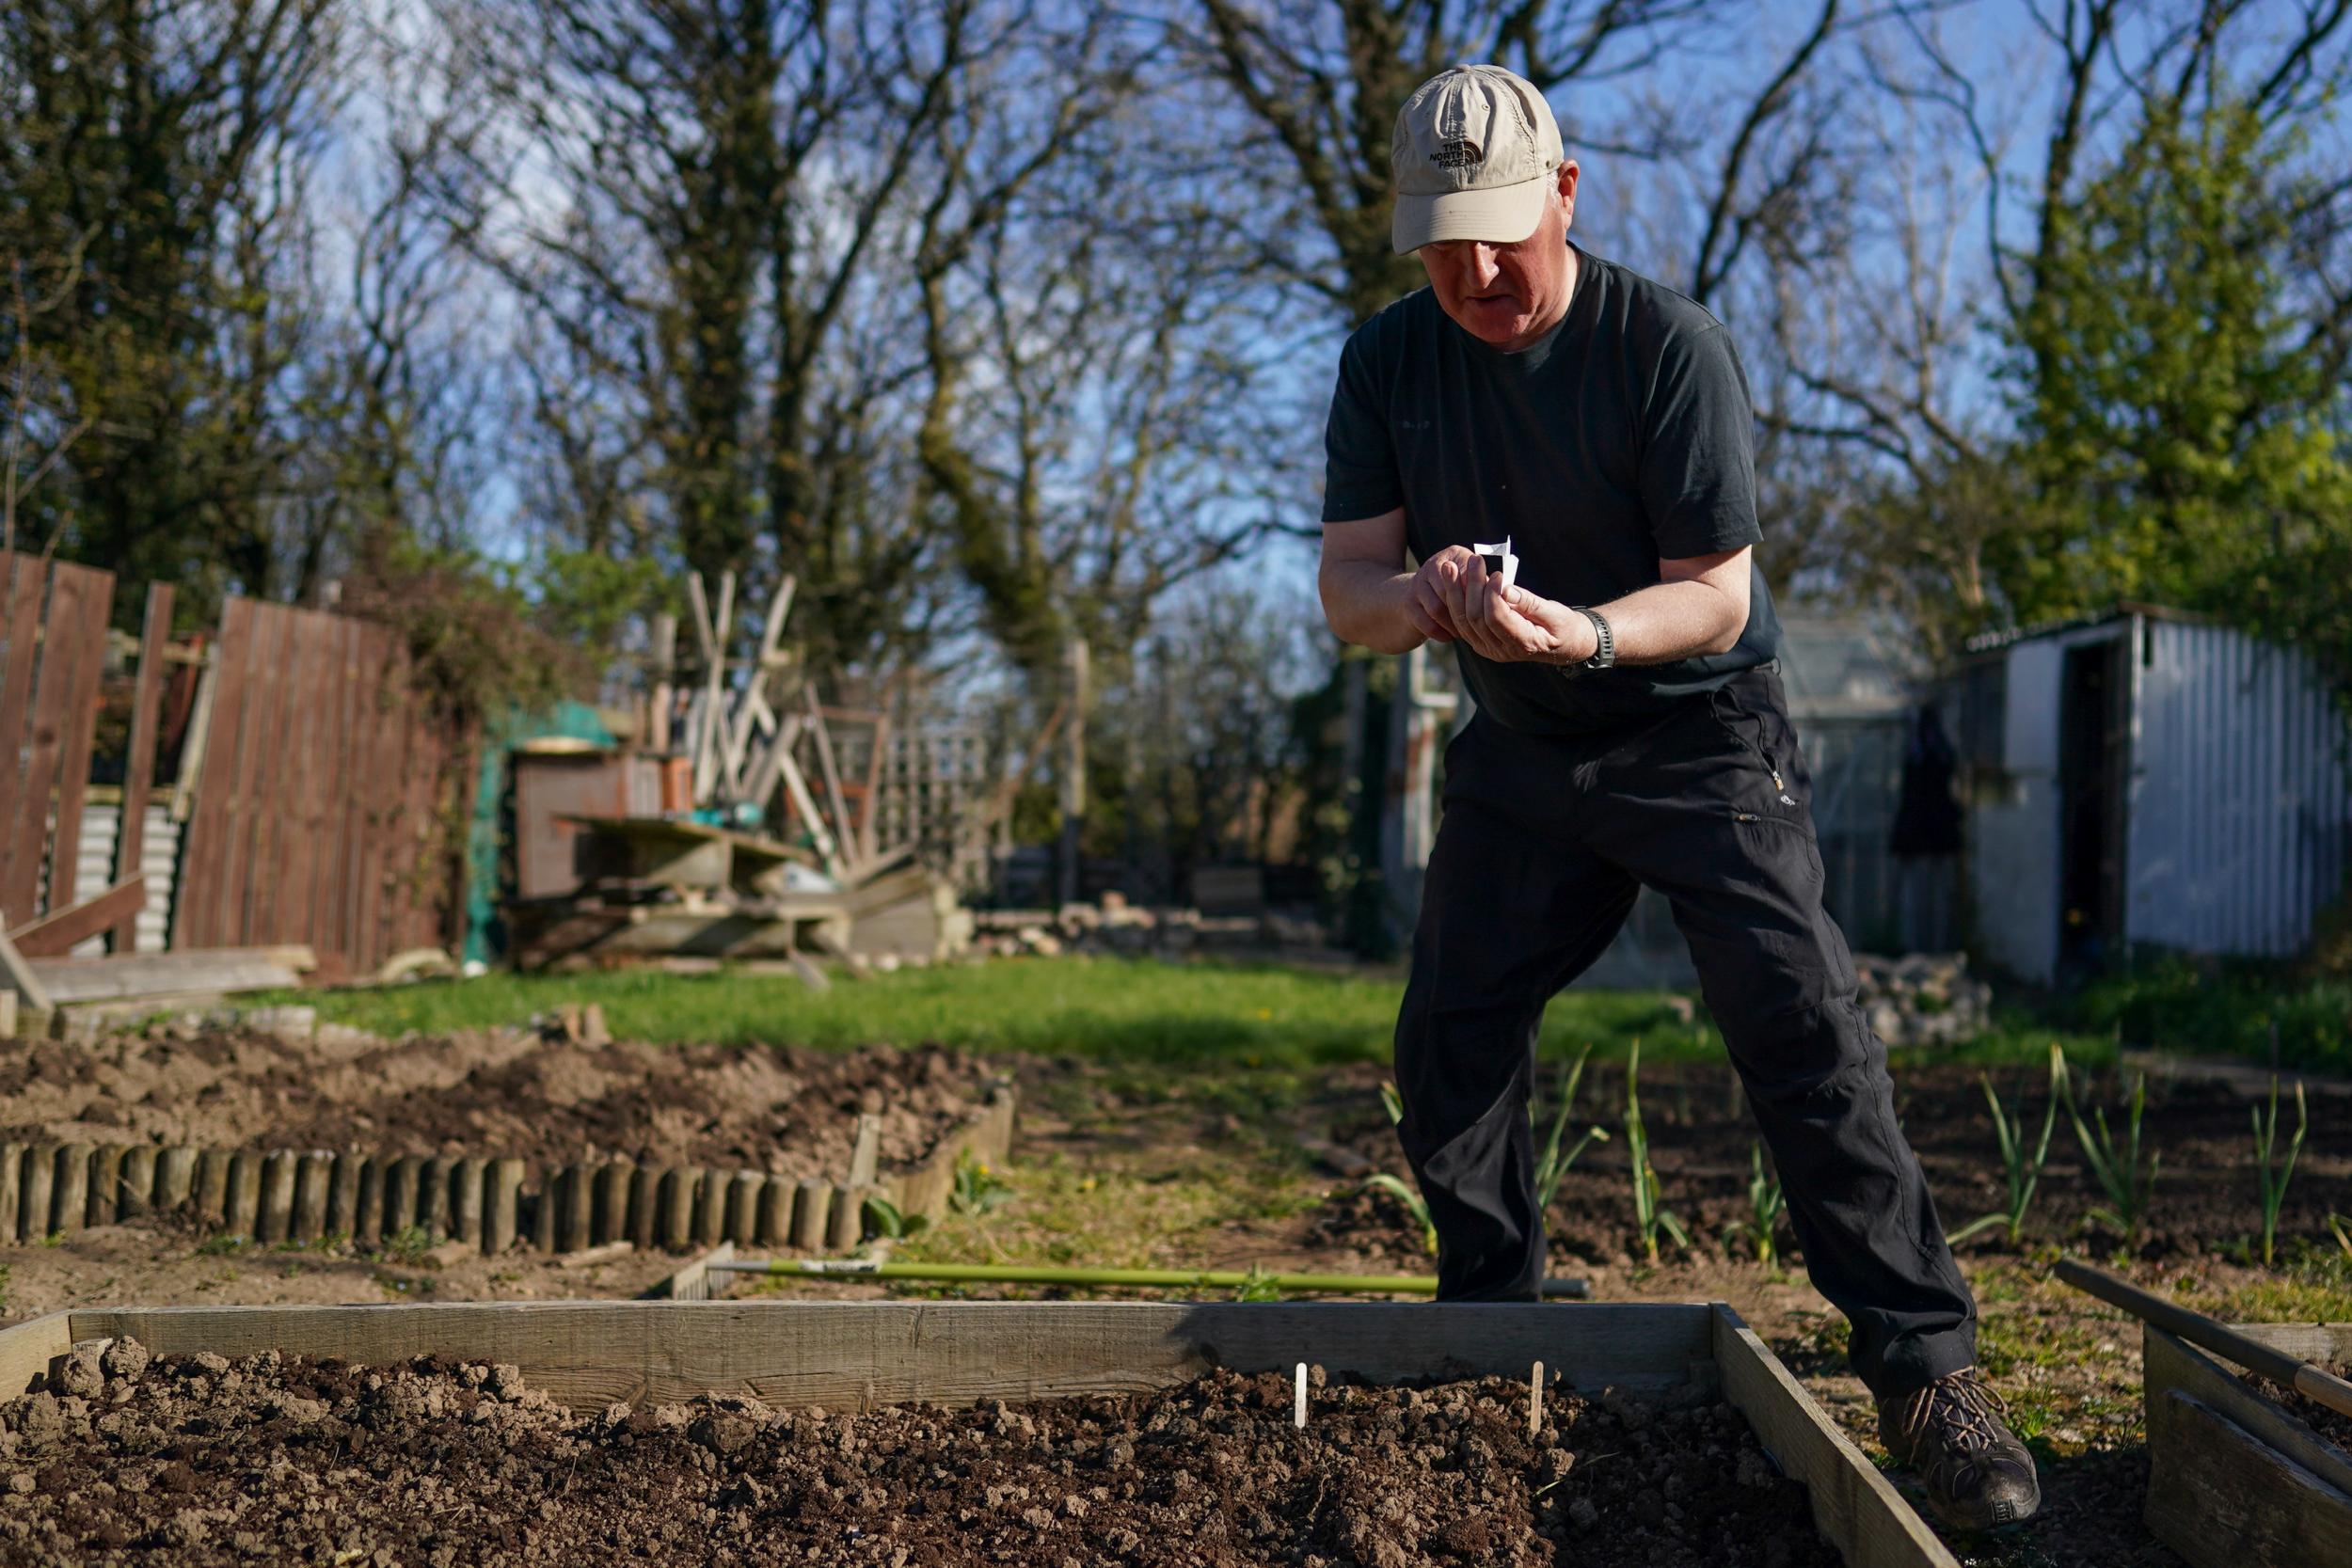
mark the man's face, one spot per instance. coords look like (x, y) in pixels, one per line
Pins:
(1508, 295)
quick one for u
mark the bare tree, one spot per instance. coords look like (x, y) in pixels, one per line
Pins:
(154, 151)
(689, 197)
(1090, 362)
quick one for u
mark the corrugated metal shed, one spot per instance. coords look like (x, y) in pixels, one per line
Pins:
(2239, 798)
(2209, 766)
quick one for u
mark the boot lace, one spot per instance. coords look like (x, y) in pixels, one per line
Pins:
(1964, 1404)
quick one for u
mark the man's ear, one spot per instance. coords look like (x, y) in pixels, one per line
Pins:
(1567, 177)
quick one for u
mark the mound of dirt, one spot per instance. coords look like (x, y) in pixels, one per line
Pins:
(500, 1092)
(442, 1464)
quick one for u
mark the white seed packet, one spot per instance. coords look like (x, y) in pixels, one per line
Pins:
(1500, 558)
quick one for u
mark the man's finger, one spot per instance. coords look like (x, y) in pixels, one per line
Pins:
(1491, 643)
(1426, 625)
(1466, 600)
(1427, 603)
(1525, 638)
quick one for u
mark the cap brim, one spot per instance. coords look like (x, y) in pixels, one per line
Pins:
(1504, 214)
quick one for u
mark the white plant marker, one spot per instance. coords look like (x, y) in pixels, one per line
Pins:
(1510, 563)
(1298, 1402)
(1536, 1400)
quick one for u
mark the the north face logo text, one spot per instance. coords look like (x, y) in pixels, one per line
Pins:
(1458, 154)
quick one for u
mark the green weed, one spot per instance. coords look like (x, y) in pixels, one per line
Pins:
(407, 1245)
(1767, 1203)
(883, 1218)
(2127, 1180)
(1552, 1164)
(2023, 1170)
(2266, 1143)
(977, 1189)
(2248, 1008)
(1649, 1217)
(1409, 1195)
(1258, 1286)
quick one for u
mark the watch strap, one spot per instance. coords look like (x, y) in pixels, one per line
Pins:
(1605, 639)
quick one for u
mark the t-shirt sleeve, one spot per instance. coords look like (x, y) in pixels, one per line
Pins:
(1360, 477)
(1699, 455)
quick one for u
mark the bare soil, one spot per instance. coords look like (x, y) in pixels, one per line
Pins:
(2206, 1198)
(493, 1092)
(441, 1464)
(153, 1262)
(2068, 1363)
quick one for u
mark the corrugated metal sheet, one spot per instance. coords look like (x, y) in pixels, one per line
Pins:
(2240, 801)
(159, 856)
(1852, 708)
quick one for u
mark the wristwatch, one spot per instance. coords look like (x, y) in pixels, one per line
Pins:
(1605, 641)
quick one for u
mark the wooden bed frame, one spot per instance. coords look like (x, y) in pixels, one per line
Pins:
(864, 1355)
(2234, 1479)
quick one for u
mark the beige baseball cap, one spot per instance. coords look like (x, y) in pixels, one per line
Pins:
(1472, 158)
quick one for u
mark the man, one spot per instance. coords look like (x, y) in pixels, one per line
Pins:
(1630, 729)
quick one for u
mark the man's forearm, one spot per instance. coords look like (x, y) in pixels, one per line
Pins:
(1669, 621)
(1366, 604)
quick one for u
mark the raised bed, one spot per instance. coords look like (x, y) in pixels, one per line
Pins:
(485, 1202)
(2237, 1478)
(864, 1355)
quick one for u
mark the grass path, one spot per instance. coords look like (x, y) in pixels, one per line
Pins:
(1143, 1011)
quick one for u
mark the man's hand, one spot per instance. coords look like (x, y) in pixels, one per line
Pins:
(1425, 600)
(1509, 626)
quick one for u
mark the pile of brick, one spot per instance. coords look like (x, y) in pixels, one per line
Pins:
(1113, 925)
(1923, 998)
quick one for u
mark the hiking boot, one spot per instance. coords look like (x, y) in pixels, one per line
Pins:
(1979, 1475)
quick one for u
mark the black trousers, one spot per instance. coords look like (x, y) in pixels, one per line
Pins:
(1544, 843)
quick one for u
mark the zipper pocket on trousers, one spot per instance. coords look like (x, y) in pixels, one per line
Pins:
(1763, 750)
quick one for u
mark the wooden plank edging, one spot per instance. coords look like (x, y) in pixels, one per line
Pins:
(2172, 1363)
(26, 1349)
(1854, 1507)
(863, 1354)
(2224, 1498)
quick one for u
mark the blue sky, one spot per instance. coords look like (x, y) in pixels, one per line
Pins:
(1639, 212)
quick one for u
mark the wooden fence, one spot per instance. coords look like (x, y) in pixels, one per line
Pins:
(52, 649)
(313, 768)
(317, 803)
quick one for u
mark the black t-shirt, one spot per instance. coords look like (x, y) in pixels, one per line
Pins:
(1625, 436)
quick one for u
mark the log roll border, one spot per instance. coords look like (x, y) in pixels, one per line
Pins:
(300, 1196)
